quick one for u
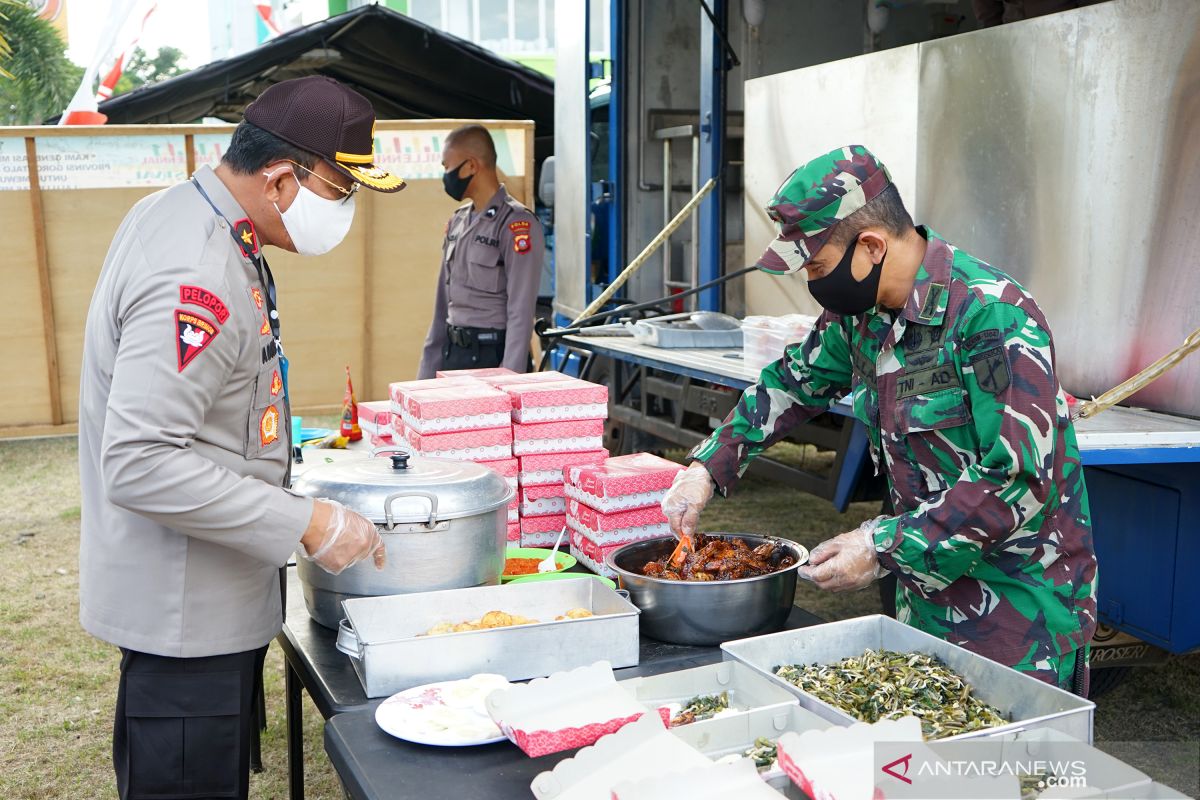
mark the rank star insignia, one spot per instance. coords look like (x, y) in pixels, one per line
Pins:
(276, 384)
(268, 426)
(256, 296)
(243, 229)
(193, 333)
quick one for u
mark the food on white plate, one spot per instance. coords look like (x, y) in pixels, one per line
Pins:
(452, 712)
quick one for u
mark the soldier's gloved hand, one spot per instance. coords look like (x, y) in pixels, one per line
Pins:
(847, 561)
(346, 538)
(687, 497)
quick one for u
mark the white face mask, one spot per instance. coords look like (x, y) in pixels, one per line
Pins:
(316, 224)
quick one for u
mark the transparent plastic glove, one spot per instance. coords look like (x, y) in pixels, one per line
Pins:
(687, 497)
(349, 538)
(847, 561)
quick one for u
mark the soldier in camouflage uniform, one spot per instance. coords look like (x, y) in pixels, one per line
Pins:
(950, 366)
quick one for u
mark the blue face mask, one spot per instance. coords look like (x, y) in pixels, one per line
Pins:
(454, 184)
(840, 293)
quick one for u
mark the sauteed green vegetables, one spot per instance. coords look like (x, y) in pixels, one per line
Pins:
(885, 684)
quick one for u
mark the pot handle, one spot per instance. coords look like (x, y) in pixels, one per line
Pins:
(347, 640)
(391, 498)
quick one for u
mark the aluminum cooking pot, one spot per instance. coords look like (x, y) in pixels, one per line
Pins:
(706, 612)
(443, 524)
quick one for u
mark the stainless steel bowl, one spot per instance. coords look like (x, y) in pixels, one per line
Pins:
(706, 612)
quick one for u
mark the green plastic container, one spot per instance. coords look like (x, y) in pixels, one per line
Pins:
(564, 560)
(564, 576)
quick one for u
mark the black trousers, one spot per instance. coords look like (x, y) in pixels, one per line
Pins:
(183, 725)
(472, 356)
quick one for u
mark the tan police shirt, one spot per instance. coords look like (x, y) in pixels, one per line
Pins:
(491, 267)
(184, 437)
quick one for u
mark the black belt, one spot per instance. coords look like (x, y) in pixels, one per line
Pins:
(467, 337)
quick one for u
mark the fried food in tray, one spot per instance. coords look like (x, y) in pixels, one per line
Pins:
(498, 619)
(715, 559)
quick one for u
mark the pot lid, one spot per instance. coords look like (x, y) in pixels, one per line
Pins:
(412, 488)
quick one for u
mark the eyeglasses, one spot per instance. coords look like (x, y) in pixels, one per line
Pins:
(346, 193)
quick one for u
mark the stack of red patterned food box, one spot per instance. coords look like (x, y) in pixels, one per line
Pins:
(526, 427)
(375, 419)
(557, 422)
(615, 503)
(458, 417)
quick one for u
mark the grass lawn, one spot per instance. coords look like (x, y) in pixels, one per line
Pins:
(58, 685)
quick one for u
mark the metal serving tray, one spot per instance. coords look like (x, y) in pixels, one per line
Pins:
(747, 689)
(733, 735)
(1028, 702)
(382, 634)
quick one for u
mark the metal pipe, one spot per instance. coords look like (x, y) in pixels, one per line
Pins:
(629, 309)
(666, 261)
(694, 267)
(654, 244)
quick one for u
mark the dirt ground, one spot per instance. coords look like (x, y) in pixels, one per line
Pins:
(57, 684)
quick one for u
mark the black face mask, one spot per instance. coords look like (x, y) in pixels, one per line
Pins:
(841, 293)
(455, 185)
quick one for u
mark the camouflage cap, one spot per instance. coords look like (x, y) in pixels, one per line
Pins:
(814, 199)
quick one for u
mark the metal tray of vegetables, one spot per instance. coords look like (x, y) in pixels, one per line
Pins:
(753, 735)
(708, 692)
(838, 671)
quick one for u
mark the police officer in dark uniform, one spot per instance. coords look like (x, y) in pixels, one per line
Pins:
(491, 266)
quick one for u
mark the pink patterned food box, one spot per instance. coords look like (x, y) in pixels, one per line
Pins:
(541, 531)
(547, 469)
(558, 401)
(492, 444)
(507, 469)
(622, 483)
(576, 436)
(543, 501)
(548, 376)
(619, 527)
(455, 408)
(399, 388)
(514, 533)
(375, 419)
(567, 710)
(590, 554)
(483, 372)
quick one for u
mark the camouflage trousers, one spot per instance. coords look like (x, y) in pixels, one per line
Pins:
(1069, 672)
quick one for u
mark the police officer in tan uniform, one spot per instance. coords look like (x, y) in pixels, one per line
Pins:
(491, 265)
(184, 437)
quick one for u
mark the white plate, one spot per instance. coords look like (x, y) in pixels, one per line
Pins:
(444, 714)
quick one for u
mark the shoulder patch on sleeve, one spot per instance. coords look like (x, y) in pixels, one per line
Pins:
(520, 226)
(197, 296)
(991, 370)
(193, 333)
(987, 338)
